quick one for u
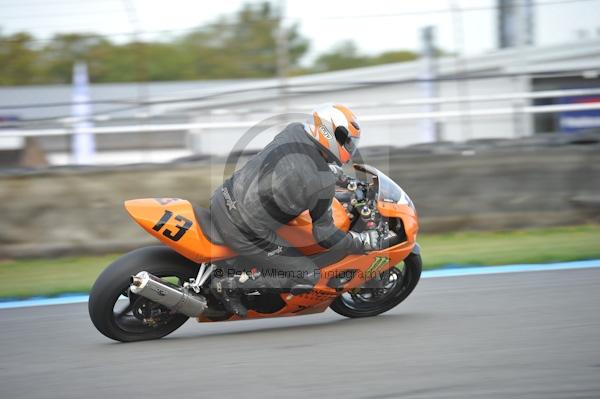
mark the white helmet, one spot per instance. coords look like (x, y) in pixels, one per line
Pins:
(335, 128)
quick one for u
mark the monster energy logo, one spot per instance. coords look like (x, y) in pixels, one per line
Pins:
(377, 264)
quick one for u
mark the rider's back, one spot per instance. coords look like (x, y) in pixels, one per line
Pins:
(286, 178)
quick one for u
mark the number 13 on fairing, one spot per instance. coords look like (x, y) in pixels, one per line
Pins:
(182, 228)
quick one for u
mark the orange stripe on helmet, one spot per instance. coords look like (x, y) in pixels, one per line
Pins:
(318, 134)
(354, 132)
(323, 140)
(317, 119)
(344, 155)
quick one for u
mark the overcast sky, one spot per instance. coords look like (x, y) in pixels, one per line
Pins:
(375, 25)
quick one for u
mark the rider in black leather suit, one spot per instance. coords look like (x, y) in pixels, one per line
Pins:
(290, 175)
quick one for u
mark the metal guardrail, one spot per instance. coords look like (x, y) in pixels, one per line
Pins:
(477, 98)
(438, 115)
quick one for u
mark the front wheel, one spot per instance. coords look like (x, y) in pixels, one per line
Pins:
(123, 316)
(383, 293)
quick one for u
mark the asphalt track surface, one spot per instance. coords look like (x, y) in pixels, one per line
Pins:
(522, 335)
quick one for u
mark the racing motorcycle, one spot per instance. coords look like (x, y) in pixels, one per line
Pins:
(150, 292)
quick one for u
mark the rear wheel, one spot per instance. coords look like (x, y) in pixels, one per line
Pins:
(123, 316)
(382, 293)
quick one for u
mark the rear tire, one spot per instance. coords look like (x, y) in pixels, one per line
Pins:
(351, 306)
(114, 281)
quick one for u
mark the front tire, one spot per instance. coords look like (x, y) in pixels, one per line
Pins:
(148, 320)
(367, 302)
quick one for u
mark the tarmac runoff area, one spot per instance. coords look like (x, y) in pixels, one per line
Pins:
(509, 334)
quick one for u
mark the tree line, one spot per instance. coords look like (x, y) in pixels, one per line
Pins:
(241, 46)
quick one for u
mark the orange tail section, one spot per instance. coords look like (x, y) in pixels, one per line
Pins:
(173, 222)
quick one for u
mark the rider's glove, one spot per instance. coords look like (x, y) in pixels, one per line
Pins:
(341, 178)
(367, 240)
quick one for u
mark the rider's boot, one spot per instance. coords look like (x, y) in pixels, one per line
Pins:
(228, 291)
(260, 282)
(299, 288)
(304, 285)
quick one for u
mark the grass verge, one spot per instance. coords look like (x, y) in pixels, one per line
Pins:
(26, 278)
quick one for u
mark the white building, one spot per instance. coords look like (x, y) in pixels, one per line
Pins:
(388, 98)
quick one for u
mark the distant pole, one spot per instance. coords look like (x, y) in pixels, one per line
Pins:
(462, 85)
(516, 30)
(83, 145)
(141, 67)
(140, 64)
(282, 55)
(515, 23)
(431, 132)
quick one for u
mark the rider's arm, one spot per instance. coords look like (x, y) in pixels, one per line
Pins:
(324, 229)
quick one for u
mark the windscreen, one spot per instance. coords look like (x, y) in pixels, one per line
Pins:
(387, 189)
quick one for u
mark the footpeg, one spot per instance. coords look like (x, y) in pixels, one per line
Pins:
(300, 289)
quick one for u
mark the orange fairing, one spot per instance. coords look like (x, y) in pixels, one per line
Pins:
(299, 231)
(362, 267)
(173, 222)
(404, 212)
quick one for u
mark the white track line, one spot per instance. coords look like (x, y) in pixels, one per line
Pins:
(450, 272)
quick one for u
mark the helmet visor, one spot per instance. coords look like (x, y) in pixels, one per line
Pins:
(351, 145)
